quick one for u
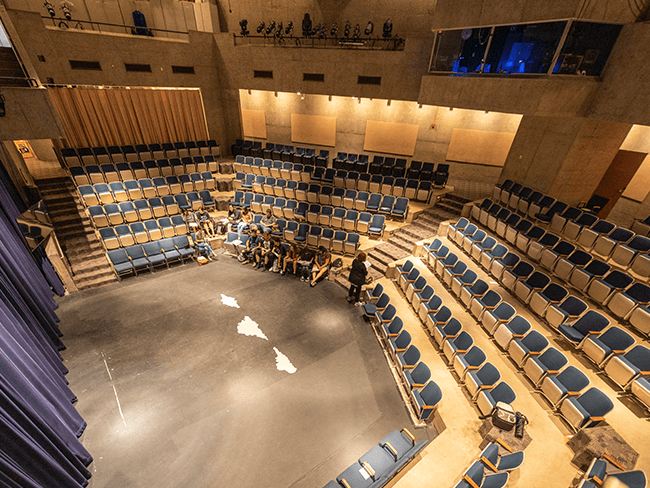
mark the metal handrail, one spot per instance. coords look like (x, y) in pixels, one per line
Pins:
(327, 42)
(133, 30)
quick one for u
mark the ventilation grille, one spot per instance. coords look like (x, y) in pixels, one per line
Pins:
(369, 80)
(187, 70)
(262, 74)
(313, 77)
(139, 68)
(87, 65)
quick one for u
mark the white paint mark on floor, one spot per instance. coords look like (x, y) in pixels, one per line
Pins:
(230, 301)
(282, 362)
(119, 407)
(250, 328)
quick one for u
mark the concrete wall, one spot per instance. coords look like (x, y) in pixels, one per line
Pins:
(559, 96)
(30, 115)
(410, 17)
(474, 13)
(431, 146)
(625, 92)
(159, 14)
(58, 47)
(565, 157)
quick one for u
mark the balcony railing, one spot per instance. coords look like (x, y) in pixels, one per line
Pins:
(120, 29)
(317, 42)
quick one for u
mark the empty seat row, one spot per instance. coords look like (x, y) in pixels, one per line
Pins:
(386, 185)
(492, 469)
(601, 237)
(457, 345)
(381, 463)
(585, 329)
(167, 206)
(313, 236)
(33, 234)
(424, 393)
(130, 260)
(616, 290)
(600, 471)
(117, 191)
(140, 232)
(138, 152)
(248, 169)
(292, 208)
(280, 152)
(108, 172)
(514, 334)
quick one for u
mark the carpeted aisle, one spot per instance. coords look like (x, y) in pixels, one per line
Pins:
(175, 396)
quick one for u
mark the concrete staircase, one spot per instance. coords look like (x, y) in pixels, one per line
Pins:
(75, 233)
(451, 203)
(400, 244)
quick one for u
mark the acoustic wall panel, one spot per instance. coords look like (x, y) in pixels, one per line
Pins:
(391, 138)
(480, 147)
(313, 129)
(254, 123)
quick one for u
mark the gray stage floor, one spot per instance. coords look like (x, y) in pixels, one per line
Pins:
(174, 396)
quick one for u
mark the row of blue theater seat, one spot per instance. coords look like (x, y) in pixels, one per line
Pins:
(590, 274)
(599, 471)
(388, 206)
(360, 163)
(602, 237)
(139, 152)
(271, 185)
(336, 217)
(117, 191)
(33, 234)
(108, 172)
(611, 349)
(248, 172)
(130, 260)
(527, 348)
(493, 467)
(425, 394)
(456, 345)
(280, 152)
(167, 206)
(126, 235)
(381, 463)
(326, 195)
(312, 236)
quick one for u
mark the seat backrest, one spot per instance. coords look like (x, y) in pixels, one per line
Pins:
(573, 379)
(553, 359)
(488, 374)
(431, 394)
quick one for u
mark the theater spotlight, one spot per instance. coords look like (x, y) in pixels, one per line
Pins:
(306, 26)
(50, 9)
(357, 32)
(289, 29)
(335, 30)
(65, 8)
(279, 31)
(260, 27)
(388, 29)
(270, 28)
(243, 24)
(347, 29)
(369, 28)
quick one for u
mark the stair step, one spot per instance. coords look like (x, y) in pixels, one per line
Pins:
(80, 258)
(377, 266)
(451, 203)
(97, 282)
(451, 196)
(405, 244)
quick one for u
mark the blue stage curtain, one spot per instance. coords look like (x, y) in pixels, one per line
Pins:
(39, 426)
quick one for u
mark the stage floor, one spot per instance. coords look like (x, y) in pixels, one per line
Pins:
(175, 396)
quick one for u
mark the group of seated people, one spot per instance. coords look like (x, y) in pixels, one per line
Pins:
(267, 253)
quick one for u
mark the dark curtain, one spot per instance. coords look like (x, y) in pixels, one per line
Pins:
(39, 425)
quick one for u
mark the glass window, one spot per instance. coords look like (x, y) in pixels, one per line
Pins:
(460, 51)
(587, 48)
(526, 48)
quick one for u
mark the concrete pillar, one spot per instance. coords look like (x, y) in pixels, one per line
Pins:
(565, 157)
